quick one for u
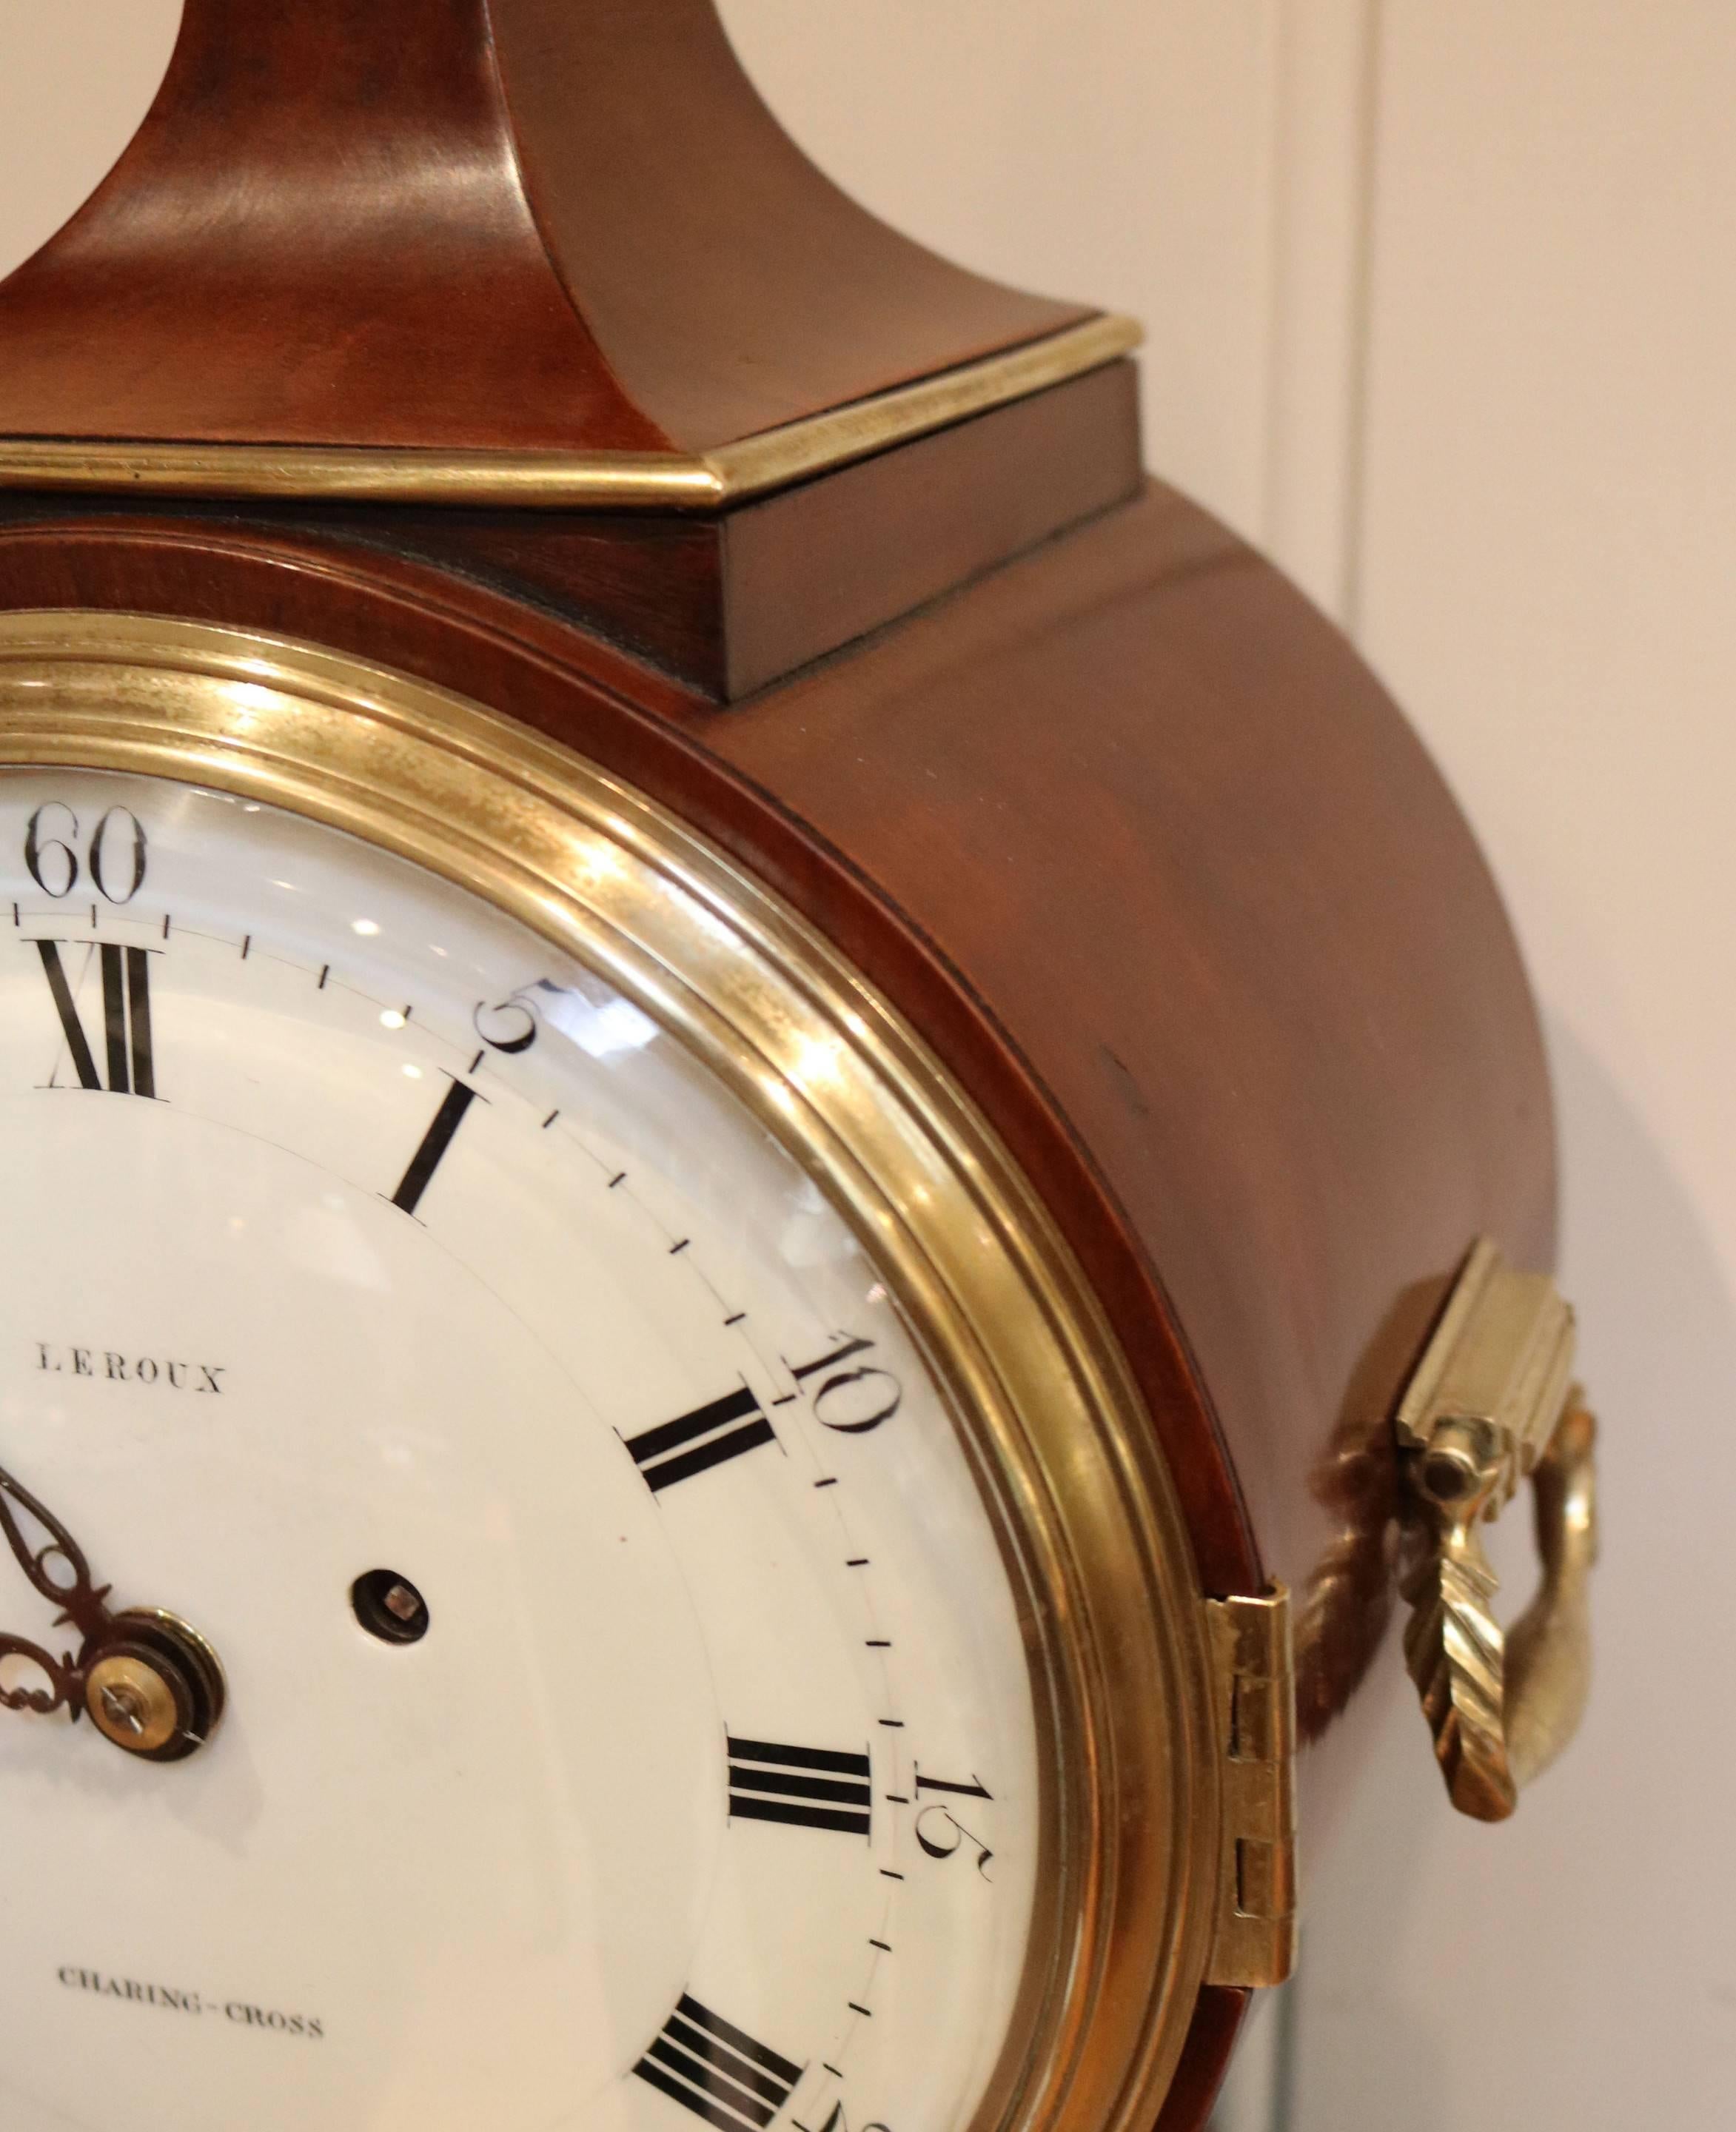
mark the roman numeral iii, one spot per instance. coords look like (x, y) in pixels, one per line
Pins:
(713, 2069)
(693, 1443)
(814, 1786)
(126, 1040)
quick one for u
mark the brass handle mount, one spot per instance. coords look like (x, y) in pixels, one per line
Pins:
(1492, 1402)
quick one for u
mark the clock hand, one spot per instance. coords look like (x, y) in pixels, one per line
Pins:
(150, 1683)
(66, 1679)
(81, 1603)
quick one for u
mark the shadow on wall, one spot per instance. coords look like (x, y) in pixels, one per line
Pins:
(1582, 1948)
(1256, 2091)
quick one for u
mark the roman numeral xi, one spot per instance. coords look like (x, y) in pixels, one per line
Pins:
(811, 1785)
(126, 1036)
(713, 2069)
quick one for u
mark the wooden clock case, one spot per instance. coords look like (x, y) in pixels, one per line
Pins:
(511, 344)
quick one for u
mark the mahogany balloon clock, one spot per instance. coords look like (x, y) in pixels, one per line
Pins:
(766, 1147)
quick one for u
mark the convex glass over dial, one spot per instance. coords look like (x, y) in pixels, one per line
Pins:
(558, 1665)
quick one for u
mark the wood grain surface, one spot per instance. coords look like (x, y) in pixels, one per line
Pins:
(1154, 866)
(729, 603)
(1116, 820)
(474, 224)
(1151, 860)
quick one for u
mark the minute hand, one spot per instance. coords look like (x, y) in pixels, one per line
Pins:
(82, 1604)
(79, 1600)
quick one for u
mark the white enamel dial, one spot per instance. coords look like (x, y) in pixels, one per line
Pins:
(348, 1228)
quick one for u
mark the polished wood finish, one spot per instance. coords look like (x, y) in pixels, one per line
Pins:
(731, 601)
(1205, 2059)
(817, 566)
(774, 294)
(474, 224)
(1169, 831)
(547, 225)
(1115, 818)
(1152, 862)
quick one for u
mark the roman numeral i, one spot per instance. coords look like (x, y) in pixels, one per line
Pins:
(711, 2068)
(813, 1786)
(126, 1019)
(435, 1142)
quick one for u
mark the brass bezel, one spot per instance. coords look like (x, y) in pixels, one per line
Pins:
(1127, 1902)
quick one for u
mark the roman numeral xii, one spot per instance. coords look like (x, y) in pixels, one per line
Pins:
(126, 1034)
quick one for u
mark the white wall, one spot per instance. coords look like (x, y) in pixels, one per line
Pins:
(1442, 300)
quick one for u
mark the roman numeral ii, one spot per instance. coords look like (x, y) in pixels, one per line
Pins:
(126, 1019)
(713, 2069)
(695, 1442)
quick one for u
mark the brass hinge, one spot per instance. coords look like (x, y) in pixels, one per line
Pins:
(1253, 1684)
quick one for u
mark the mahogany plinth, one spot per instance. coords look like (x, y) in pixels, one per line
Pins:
(730, 601)
(546, 233)
(476, 225)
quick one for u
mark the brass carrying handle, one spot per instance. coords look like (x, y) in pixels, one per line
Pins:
(1491, 1403)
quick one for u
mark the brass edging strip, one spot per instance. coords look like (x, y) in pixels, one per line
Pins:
(570, 481)
(777, 457)
(316, 472)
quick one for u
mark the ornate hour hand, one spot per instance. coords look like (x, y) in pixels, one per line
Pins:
(150, 1683)
(71, 1589)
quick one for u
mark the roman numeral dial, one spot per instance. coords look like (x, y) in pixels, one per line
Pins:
(811, 1786)
(716, 2070)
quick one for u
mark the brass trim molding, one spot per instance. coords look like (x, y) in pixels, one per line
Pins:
(569, 480)
(1132, 1781)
